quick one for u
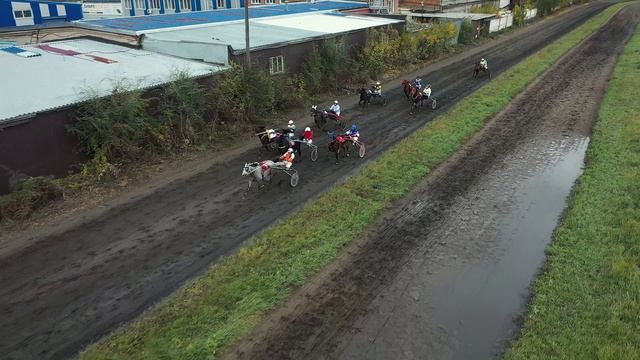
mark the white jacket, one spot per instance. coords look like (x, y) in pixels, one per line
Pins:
(335, 108)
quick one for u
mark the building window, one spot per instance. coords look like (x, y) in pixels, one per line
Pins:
(221, 4)
(185, 5)
(255, 2)
(270, 2)
(169, 5)
(19, 14)
(140, 4)
(154, 4)
(276, 65)
(340, 47)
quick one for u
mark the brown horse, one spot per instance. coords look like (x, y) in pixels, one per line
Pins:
(417, 99)
(478, 68)
(407, 88)
(339, 146)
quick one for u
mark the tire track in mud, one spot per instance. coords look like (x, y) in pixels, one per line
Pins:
(66, 289)
(407, 289)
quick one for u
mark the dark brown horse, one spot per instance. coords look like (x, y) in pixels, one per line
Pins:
(417, 99)
(339, 146)
(478, 68)
(365, 97)
(261, 133)
(407, 88)
(325, 120)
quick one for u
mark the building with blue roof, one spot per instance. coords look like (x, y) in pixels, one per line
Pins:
(34, 12)
(180, 13)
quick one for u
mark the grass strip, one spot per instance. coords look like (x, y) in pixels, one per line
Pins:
(586, 304)
(210, 312)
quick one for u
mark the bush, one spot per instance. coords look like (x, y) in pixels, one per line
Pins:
(182, 107)
(466, 32)
(485, 9)
(27, 196)
(114, 125)
(312, 72)
(519, 14)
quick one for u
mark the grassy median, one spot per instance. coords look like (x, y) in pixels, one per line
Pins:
(587, 301)
(210, 312)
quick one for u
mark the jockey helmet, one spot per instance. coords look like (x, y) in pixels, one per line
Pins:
(483, 60)
(377, 82)
(290, 122)
(307, 129)
(354, 127)
(290, 150)
(335, 101)
(314, 107)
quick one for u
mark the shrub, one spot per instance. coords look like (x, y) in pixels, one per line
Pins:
(27, 196)
(182, 108)
(466, 32)
(229, 97)
(485, 9)
(312, 72)
(114, 125)
(519, 14)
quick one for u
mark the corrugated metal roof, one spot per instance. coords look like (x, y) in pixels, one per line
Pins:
(53, 80)
(274, 31)
(144, 24)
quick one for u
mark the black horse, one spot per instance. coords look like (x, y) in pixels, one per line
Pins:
(479, 68)
(323, 118)
(365, 97)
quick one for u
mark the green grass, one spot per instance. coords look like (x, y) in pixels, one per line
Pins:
(587, 301)
(212, 311)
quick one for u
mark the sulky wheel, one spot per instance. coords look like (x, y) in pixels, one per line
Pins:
(294, 179)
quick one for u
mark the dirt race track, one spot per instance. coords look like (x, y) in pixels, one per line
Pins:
(61, 291)
(446, 274)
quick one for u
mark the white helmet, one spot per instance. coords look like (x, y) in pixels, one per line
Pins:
(482, 60)
(307, 129)
(377, 82)
(290, 150)
(314, 107)
(290, 122)
(335, 101)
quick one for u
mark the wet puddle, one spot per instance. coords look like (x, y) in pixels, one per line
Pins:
(478, 307)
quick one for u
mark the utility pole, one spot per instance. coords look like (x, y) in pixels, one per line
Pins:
(247, 55)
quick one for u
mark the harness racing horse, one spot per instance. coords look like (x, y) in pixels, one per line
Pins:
(276, 143)
(321, 117)
(478, 68)
(258, 171)
(407, 88)
(417, 99)
(339, 146)
(365, 97)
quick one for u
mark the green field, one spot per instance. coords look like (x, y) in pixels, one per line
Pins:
(587, 301)
(210, 312)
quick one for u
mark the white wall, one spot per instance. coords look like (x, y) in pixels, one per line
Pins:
(207, 52)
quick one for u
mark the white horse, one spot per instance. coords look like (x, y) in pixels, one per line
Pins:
(261, 171)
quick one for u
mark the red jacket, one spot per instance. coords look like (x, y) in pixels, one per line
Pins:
(308, 135)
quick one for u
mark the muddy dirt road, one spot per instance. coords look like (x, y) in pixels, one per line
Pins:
(61, 291)
(446, 274)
